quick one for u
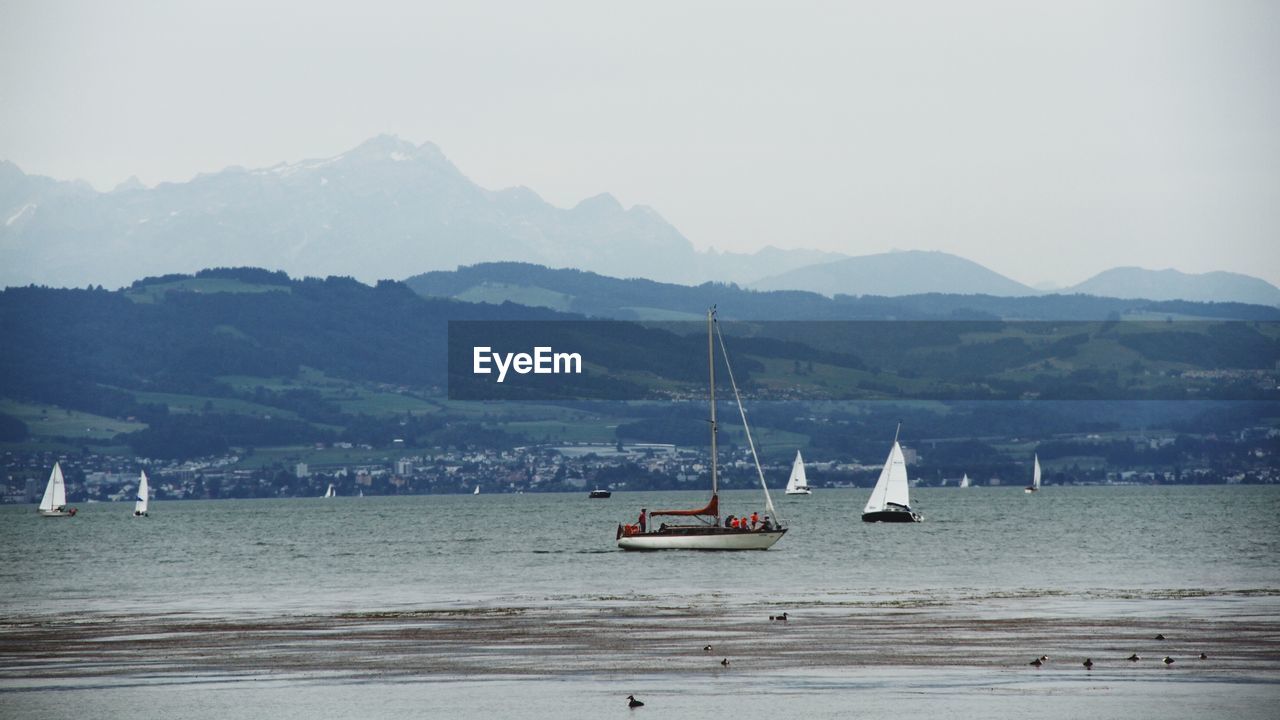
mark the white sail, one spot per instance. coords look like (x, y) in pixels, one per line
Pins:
(964, 481)
(144, 493)
(1035, 476)
(330, 492)
(892, 487)
(798, 482)
(55, 493)
(476, 491)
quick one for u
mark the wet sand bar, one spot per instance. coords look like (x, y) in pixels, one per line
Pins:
(627, 639)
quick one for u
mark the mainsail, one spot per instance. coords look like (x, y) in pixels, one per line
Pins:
(711, 510)
(144, 492)
(797, 482)
(1035, 476)
(55, 493)
(892, 487)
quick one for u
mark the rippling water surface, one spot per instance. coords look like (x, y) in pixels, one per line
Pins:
(1207, 554)
(347, 554)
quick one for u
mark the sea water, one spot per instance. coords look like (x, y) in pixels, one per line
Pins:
(1205, 553)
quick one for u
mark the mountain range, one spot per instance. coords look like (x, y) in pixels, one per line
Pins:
(384, 209)
(388, 208)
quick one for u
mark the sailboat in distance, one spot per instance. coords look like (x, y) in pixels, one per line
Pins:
(54, 501)
(144, 494)
(330, 493)
(704, 530)
(890, 499)
(964, 481)
(1035, 477)
(476, 491)
(798, 484)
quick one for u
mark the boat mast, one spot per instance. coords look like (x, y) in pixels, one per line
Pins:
(746, 427)
(711, 371)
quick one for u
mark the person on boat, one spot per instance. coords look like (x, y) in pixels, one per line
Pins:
(767, 526)
(728, 522)
(643, 512)
(755, 520)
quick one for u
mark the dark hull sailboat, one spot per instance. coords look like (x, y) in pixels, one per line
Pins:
(897, 515)
(890, 499)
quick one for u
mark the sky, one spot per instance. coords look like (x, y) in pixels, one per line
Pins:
(1047, 141)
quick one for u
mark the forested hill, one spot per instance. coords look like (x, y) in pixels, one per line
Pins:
(91, 349)
(630, 299)
(189, 366)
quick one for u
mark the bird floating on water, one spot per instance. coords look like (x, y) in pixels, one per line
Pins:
(1167, 660)
(1036, 663)
(1134, 657)
(706, 648)
(1044, 658)
(781, 618)
(1088, 664)
(632, 702)
(1203, 656)
(725, 662)
(1159, 636)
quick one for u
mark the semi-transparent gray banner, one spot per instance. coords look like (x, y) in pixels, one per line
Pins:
(916, 360)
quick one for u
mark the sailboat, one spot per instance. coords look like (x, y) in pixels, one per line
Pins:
(798, 484)
(330, 492)
(1035, 477)
(890, 501)
(476, 491)
(54, 502)
(964, 481)
(144, 494)
(704, 529)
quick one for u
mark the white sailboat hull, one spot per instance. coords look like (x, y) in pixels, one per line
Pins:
(800, 491)
(707, 541)
(56, 513)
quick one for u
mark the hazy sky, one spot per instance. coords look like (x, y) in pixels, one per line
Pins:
(1047, 141)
